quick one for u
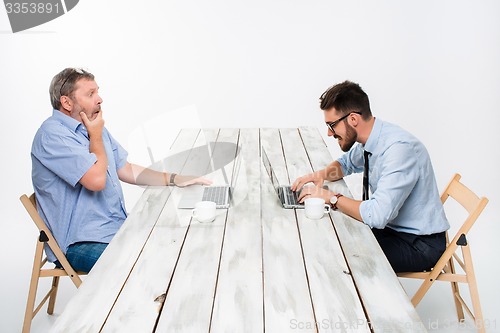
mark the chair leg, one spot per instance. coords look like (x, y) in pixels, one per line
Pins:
(474, 293)
(456, 291)
(421, 291)
(35, 275)
(53, 294)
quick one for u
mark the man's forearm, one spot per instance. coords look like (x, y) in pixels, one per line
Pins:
(95, 178)
(139, 175)
(333, 171)
(153, 178)
(97, 147)
(350, 207)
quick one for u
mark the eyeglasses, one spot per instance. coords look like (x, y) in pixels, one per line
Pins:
(74, 71)
(331, 125)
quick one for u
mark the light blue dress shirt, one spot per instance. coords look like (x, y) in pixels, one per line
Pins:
(60, 157)
(404, 195)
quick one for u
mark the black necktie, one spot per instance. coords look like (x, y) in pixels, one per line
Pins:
(365, 176)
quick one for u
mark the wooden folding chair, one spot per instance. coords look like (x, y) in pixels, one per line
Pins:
(444, 270)
(40, 260)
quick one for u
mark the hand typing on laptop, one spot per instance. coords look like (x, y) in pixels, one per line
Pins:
(315, 177)
(318, 190)
(315, 192)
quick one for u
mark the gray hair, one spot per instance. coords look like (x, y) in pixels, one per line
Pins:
(63, 84)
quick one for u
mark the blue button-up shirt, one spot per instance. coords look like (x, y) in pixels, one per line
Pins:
(60, 157)
(404, 196)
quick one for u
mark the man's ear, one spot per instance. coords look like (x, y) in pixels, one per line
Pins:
(354, 119)
(66, 103)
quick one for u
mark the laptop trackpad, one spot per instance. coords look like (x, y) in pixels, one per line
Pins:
(190, 196)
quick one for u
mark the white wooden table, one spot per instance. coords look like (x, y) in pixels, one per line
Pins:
(256, 268)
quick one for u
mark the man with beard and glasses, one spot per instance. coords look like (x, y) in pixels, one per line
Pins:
(404, 209)
(77, 167)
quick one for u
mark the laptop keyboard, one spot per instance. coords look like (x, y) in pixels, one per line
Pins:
(216, 194)
(292, 197)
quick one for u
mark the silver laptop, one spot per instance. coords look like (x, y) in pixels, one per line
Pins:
(287, 197)
(220, 194)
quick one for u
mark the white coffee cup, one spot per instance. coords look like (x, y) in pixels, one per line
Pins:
(204, 211)
(315, 208)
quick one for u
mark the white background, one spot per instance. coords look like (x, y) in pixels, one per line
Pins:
(430, 66)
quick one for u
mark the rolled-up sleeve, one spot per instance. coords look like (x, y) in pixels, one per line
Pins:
(352, 161)
(397, 176)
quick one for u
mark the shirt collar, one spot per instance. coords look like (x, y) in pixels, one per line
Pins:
(67, 121)
(372, 141)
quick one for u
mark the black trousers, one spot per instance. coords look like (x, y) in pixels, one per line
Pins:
(408, 252)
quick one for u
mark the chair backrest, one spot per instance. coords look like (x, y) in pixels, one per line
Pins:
(467, 199)
(46, 236)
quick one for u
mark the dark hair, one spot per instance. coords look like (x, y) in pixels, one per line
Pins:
(63, 84)
(346, 97)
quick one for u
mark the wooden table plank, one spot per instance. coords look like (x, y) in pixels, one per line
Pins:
(286, 293)
(373, 276)
(336, 304)
(189, 300)
(239, 297)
